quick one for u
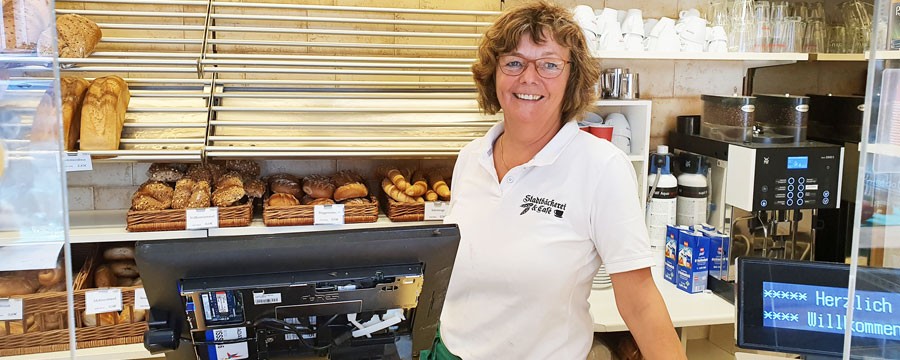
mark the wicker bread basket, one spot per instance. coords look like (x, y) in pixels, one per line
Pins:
(176, 219)
(305, 214)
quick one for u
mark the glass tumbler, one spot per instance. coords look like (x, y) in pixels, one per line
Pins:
(763, 33)
(814, 37)
(837, 39)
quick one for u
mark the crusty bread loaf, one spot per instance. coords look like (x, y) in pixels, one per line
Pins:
(285, 184)
(78, 36)
(227, 196)
(350, 191)
(255, 188)
(73, 90)
(281, 199)
(24, 21)
(318, 186)
(103, 113)
(18, 283)
(309, 200)
(152, 195)
(119, 253)
(104, 277)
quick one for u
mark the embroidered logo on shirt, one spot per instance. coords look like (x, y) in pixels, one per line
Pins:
(543, 206)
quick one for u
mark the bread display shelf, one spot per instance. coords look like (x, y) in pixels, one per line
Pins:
(305, 214)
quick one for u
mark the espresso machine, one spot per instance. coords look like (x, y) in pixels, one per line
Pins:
(767, 181)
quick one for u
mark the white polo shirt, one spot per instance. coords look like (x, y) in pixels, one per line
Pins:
(532, 243)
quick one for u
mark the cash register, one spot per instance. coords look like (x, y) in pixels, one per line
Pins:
(352, 294)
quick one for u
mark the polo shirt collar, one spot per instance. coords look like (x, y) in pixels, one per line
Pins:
(546, 156)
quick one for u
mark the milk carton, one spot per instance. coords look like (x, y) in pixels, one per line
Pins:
(693, 261)
(671, 252)
(718, 259)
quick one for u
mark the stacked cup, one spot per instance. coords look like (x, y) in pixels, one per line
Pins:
(691, 30)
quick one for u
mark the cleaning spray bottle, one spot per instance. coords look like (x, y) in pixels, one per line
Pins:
(661, 201)
(693, 190)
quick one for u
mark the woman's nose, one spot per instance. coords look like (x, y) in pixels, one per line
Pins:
(530, 75)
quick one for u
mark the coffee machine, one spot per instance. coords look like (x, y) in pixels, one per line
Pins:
(767, 181)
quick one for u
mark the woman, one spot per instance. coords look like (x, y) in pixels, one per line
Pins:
(541, 204)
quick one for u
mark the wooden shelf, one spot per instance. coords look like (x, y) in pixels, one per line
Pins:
(109, 226)
(701, 56)
(258, 228)
(837, 57)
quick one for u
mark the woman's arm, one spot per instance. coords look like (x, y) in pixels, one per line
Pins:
(645, 314)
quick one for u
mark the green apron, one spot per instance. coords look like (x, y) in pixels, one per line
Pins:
(438, 350)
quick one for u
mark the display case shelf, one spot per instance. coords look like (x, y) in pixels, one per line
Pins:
(837, 57)
(109, 226)
(883, 149)
(116, 352)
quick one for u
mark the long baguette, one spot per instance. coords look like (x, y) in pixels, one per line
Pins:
(394, 192)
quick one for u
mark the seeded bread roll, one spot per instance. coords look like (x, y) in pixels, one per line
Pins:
(200, 195)
(318, 186)
(230, 179)
(309, 200)
(183, 190)
(164, 172)
(103, 113)
(255, 188)
(78, 36)
(152, 195)
(280, 199)
(248, 168)
(227, 196)
(285, 184)
(199, 172)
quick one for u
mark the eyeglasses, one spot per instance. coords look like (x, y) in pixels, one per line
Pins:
(547, 68)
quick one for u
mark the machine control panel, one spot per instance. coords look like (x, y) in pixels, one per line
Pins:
(787, 177)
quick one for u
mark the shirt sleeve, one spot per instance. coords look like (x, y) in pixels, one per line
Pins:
(617, 219)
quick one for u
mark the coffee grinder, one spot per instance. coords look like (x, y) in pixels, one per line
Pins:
(767, 181)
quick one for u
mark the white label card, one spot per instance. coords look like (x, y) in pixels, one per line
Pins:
(230, 351)
(203, 218)
(10, 309)
(140, 299)
(436, 210)
(259, 299)
(102, 301)
(329, 214)
(74, 161)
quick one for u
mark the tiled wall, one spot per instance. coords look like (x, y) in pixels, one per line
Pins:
(673, 86)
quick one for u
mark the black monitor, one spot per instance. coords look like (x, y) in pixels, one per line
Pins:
(800, 307)
(368, 293)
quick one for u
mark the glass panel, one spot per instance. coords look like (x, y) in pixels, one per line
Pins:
(34, 268)
(873, 311)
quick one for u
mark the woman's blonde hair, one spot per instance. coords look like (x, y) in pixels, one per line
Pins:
(537, 19)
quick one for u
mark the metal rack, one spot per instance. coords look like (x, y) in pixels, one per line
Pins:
(230, 79)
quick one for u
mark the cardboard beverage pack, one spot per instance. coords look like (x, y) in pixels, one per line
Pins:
(693, 261)
(671, 254)
(718, 259)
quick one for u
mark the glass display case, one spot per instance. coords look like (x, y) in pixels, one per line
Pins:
(35, 263)
(872, 320)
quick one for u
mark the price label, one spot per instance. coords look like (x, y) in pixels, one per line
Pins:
(74, 161)
(329, 214)
(204, 218)
(140, 299)
(260, 298)
(102, 301)
(10, 309)
(436, 210)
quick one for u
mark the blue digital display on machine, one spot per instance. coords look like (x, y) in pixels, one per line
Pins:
(797, 162)
(824, 309)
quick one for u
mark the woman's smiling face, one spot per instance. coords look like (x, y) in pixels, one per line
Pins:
(529, 97)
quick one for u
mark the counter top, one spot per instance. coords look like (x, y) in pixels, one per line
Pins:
(685, 309)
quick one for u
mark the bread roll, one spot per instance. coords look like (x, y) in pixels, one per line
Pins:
(119, 253)
(78, 36)
(104, 319)
(104, 277)
(309, 200)
(164, 172)
(152, 195)
(285, 184)
(124, 268)
(183, 190)
(247, 168)
(73, 90)
(255, 188)
(124, 281)
(51, 277)
(228, 196)
(418, 187)
(18, 283)
(280, 199)
(348, 185)
(200, 196)
(318, 186)
(229, 179)
(103, 113)
(198, 172)
(395, 192)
